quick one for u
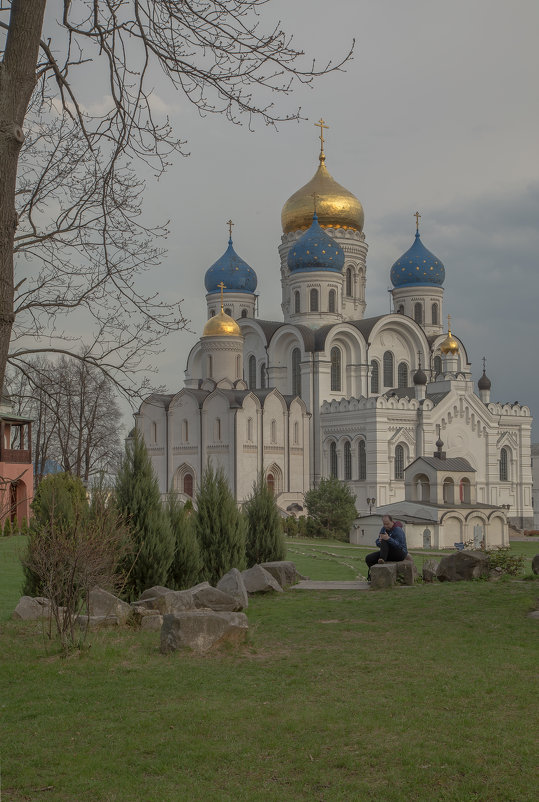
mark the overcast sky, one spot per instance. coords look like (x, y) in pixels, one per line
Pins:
(438, 111)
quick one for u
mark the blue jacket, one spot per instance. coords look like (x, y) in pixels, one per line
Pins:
(396, 538)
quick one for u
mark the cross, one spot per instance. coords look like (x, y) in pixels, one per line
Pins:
(484, 364)
(222, 287)
(419, 359)
(321, 124)
(230, 224)
(449, 324)
(417, 216)
(315, 196)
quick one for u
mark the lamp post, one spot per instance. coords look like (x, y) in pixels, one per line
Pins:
(372, 503)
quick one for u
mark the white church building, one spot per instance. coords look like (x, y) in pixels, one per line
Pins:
(327, 391)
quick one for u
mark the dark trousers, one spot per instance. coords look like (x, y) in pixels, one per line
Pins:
(388, 552)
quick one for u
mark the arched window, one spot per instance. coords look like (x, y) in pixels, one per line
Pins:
(188, 485)
(504, 465)
(296, 372)
(399, 462)
(273, 430)
(333, 460)
(418, 313)
(448, 491)
(437, 365)
(252, 372)
(154, 432)
(238, 365)
(297, 303)
(422, 487)
(434, 314)
(388, 369)
(335, 369)
(347, 461)
(400, 310)
(464, 491)
(263, 376)
(296, 433)
(375, 376)
(210, 366)
(228, 312)
(218, 429)
(349, 282)
(314, 300)
(185, 431)
(249, 429)
(244, 312)
(362, 461)
(270, 481)
(212, 313)
(331, 300)
(402, 375)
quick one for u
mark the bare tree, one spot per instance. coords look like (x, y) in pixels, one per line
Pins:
(85, 197)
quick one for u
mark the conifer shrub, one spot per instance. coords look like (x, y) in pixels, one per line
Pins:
(265, 539)
(186, 566)
(219, 526)
(139, 503)
(8, 528)
(332, 509)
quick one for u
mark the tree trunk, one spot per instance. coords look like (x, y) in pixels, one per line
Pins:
(17, 82)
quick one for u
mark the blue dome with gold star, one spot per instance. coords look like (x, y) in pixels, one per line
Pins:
(417, 267)
(232, 271)
(315, 250)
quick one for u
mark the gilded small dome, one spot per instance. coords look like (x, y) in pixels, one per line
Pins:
(449, 345)
(336, 207)
(221, 325)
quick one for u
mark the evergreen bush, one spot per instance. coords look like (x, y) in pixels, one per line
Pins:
(265, 539)
(8, 528)
(332, 509)
(184, 571)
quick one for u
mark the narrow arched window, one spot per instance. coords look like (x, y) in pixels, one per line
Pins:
(349, 282)
(228, 312)
(263, 376)
(399, 462)
(388, 369)
(448, 489)
(154, 432)
(331, 300)
(314, 300)
(362, 461)
(238, 365)
(296, 372)
(273, 430)
(185, 431)
(402, 375)
(464, 491)
(400, 310)
(218, 429)
(504, 465)
(375, 376)
(210, 366)
(347, 461)
(244, 312)
(418, 313)
(212, 313)
(437, 365)
(297, 302)
(333, 460)
(249, 429)
(335, 370)
(296, 433)
(270, 481)
(434, 314)
(252, 372)
(188, 485)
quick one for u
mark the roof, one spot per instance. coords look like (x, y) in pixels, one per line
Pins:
(448, 464)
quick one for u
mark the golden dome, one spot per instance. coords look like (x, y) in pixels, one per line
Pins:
(221, 325)
(449, 345)
(336, 207)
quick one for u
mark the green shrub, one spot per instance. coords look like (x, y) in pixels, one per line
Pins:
(502, 559)
(184, 571)
(332, 509)
(8, 528)
(265, 540)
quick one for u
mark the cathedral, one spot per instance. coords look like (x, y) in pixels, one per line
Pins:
(327, 391)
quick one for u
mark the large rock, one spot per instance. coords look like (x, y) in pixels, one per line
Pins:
(283, 571)
(202, 630)
(406, 572)
(29, 609)
(258, 580)
(215, 599)
(535, 564)
(430, 568)
(94, 622)
(103, 603)
(156, 590)
(233, 584)
(383, 575)
(173, 601)
(152, 622)
(463, 565)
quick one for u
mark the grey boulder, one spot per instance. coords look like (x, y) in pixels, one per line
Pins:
(30, 609)
(284, 571)
(462, 566)
(103, 603)
(202, 630)
(430, 568)
(215, 599)
(258, 580)
(170, 602)
(233, 584)
(383, 576)
(535, 564)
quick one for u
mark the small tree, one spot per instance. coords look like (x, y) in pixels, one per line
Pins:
(187, 562)
(332, 507)
(219, 526)
(265, 538)
(139, 503)
(8, 528)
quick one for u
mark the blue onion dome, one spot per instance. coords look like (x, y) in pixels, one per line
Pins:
(315, 250)
(232, 271)
(417, 267)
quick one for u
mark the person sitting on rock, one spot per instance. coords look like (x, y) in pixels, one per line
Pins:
(392, 544)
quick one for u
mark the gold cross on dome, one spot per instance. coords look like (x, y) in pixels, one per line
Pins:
(417, 216)
(222, 287)
(314, 196)
(321, 124)
(230, 224)
(449, 324)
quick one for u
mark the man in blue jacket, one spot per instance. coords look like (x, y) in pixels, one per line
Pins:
(392, 544)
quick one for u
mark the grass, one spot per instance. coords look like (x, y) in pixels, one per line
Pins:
(418, 693)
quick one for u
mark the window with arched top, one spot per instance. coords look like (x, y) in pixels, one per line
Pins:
(400, 310)
(296, 433)
(314, 300)
(249, 429)
(402, 375)
(375, 376)
(210, 366)
(422, 485)
(448, 489)
(335, 357)
(399, 462)
(273, 431)
(296, 372)
(504, 465)
(333, 459)
(347, 461)
(228, 312)
(154, 432)
(244, 312)
(437, 365)
(252, 372)
(188, 485)
(297, 302)
(362, 461)
(465, 493)
(212, 313)
(418, 313)
(218, 429)
(332, 301)
(185, 430)
(389, 362)
(349, 282)
(434, 314)
(238, 367)
(263, 376)
(270, 482)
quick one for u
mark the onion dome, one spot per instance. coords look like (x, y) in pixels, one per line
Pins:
(484, 382)
(221, 325)
(417, 267)
(231, 270)
(335, 205)
(449, 345)
(420, 377)
(315, 250)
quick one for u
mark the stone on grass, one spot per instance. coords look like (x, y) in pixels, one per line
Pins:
(233, 584)
(535, 564)
(215, 599)
(430, 568)
(101, 602)
(156, 590)
(534, 614)
(202, 630)
(94, 622)
(170, 602)
(151, 622)
(383, 575)
(258, 580)
(29, 609)
(284, 572)
(463, 565)
(406, 572)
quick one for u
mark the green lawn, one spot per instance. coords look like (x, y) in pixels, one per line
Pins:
(415, 693)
